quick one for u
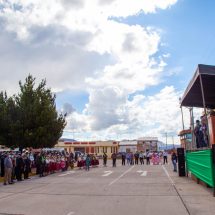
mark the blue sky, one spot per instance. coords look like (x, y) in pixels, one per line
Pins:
(117, 67)
(189, 35)
(77, 99)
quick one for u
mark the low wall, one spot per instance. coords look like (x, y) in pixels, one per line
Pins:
(200, 164)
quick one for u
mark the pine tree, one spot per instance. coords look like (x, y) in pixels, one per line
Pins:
(30, 118)
(3, 118)
(9, 121)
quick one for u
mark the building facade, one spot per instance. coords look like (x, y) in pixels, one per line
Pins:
(147, 143)
(91, 147)
(128, 146)
(141, 144)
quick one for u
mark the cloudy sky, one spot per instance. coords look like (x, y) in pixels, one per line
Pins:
(118, 67)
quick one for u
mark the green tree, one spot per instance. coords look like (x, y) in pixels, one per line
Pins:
(3, 119)
(30, 118)
(41, 124)
(9, 121)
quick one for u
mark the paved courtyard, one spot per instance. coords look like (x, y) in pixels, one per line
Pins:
(105, 190)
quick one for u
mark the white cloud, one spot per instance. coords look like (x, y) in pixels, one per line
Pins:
(111, 114)
(67, 109)
(156, 114)
(129, 78)
(105, 107)
(58, 37)
(80, 44)
(78, 123)
(83, 15)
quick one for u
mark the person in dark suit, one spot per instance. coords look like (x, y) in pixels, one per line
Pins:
(123, 159)
(19, 169)
(27, 166)
(105, 159)
(113, 156)
(2, 164)
(136, 157)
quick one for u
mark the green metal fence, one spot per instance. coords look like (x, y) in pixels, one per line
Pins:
(200, 164)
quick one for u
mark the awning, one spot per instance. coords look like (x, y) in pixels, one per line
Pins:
(193, 94)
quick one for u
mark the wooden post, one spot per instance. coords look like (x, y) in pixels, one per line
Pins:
(204, 105)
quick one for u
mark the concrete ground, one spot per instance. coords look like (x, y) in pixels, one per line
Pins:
(106, 190)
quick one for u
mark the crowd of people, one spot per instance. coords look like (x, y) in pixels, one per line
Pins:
(87, 160)
(201, 132)
(16, 166)
(139, 157)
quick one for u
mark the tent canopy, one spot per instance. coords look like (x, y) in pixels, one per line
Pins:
(193, 94)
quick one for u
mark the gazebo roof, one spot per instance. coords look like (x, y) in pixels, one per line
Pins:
(193, 94)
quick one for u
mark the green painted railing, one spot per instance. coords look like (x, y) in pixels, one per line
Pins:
(200, 164)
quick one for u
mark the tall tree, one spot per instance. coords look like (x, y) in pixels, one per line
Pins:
(42, 126)
(3, 118)
(9, 121)
(31, 116)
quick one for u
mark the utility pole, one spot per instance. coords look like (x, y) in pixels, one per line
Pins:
(173, 142)
(166, 140)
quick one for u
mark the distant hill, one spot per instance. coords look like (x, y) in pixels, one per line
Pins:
(168, 147)
(163, 146)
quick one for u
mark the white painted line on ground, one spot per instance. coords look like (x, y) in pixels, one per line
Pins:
(178, 193)
(172, 182)
(143, 173)
(107, 173)
(115, 180)
(71, 213)
(68, 173)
